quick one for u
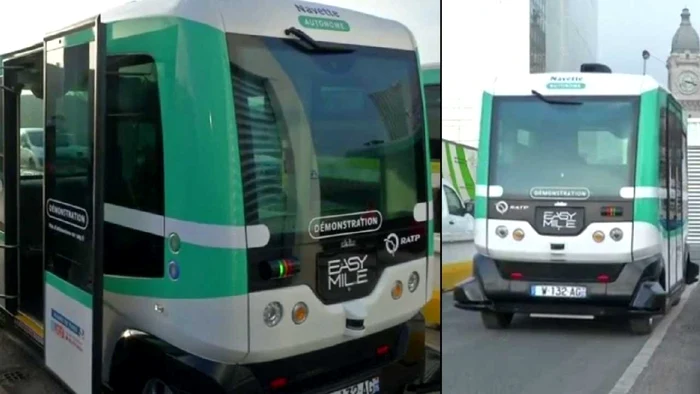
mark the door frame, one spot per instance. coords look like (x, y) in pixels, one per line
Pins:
(90, 32)
(11, 178)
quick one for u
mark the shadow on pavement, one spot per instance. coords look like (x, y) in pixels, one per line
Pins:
(20, 371)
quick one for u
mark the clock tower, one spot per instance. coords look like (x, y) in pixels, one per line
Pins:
(684, 66)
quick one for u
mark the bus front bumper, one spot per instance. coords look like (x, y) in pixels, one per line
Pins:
(635, 292)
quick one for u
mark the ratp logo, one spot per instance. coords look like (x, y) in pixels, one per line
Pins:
(392, 243)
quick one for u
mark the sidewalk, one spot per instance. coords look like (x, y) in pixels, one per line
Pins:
(675, 365)
(20, 371)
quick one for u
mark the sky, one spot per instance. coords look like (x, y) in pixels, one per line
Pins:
(421, 16)
(627, 27)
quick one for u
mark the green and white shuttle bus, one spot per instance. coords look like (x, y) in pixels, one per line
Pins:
(581, 204)
(218, 204)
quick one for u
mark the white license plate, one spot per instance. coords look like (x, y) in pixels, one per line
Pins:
(558, 291)
(369, 386)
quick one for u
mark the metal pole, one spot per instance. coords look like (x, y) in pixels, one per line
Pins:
(645, 56)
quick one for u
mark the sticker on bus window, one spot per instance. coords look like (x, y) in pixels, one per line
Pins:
(557, 193)
(67, 218)
(351, 223)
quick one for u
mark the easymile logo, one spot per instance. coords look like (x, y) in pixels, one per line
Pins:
(559, 220)
(316, 11)
(347, 272)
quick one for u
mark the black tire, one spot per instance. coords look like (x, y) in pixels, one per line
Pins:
(496, 320)
(157, 386)
(641, 325)
(676, 301)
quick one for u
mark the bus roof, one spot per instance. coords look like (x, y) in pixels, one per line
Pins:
(573, 84)
(271, 18)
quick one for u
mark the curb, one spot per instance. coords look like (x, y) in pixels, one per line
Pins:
(454, 273)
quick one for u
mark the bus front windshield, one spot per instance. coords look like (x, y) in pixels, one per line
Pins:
(324, 134)
(586, 143)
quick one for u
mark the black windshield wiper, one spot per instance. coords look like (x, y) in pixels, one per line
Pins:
(373, 142)
(553, 101)
(313, 45)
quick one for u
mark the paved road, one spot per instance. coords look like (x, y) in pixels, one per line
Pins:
(19, 373)
(542, 356)
(675, 366)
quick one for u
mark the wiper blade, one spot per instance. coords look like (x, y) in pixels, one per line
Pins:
(373, 142)
(554, 101)
(314, 46)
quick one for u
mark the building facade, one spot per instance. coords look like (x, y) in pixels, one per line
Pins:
(684, 66)
(571, 33)
(484, 39)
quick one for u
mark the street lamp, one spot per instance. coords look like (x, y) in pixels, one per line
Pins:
(645, 56)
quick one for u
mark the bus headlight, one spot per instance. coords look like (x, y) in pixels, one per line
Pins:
(502, 231)
(598, 236)
(518, 234)
(272, 314)
(616, 234)
(413, 281)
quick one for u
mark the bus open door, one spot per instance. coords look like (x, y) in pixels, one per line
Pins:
(74, 81)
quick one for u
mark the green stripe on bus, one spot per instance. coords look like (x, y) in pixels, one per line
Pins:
(428, 167)
(79, 37)
(204, 273)
(482, 168)
(68, 289)
(431, 77)
(647, 173)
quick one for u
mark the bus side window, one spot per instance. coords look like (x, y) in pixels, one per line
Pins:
(134, 181)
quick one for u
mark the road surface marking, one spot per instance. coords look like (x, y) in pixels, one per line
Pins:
(627, 380)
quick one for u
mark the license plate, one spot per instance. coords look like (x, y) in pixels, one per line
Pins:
(558, 291)
(369, 386)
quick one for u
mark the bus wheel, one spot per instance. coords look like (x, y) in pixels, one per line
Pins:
(676, 301)
(495, 320)
(157, 386)
(641, 325)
